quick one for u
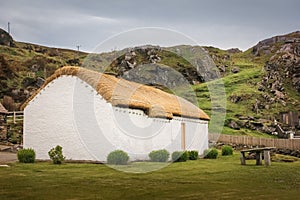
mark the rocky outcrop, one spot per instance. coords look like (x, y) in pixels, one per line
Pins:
(233, 50)
(282, 70)
(284, 64)
(249, 122)
(144, 65)
(268, 46)
(6, 39)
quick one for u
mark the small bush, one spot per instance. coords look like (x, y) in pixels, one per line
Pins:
(117, 157)
(193, 155)
(56, 155)
(159, 155)
(227, 150)
(26, 156)
(180, 156)
(211, 153)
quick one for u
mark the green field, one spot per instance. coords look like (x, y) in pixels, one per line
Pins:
(223, 178)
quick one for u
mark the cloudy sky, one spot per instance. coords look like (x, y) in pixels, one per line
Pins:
(220, 23)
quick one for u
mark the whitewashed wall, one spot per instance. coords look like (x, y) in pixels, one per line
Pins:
(69, 112)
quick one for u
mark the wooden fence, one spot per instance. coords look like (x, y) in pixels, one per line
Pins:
(293, 144)
(15, 116)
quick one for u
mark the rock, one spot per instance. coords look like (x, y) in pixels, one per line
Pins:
(243, 118)
(40, 81)
(232, 124)
(267, 107)
(256, 106)
(235, 70)
(279, 94)
(154, 58)
(257, 125)
(235, 98)
(6, 39)
(268, 130)
(6, 149)
(261, 88)
(234, 50)
(222, 68)
(251, 118)
(127, 57)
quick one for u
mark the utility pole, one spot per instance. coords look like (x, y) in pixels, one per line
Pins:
(8, 27)
(78, 46)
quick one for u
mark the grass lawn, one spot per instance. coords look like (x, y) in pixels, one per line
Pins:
(223, 178)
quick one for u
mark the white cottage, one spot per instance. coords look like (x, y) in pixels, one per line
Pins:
(91, 114)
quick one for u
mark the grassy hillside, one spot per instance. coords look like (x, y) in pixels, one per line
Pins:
(28, 65)
(243, 91)
(251, 105)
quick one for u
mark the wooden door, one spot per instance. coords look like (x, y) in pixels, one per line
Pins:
(183, 147)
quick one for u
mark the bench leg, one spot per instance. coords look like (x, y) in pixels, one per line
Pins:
(243, 158)
(267, 158)
(258, 158)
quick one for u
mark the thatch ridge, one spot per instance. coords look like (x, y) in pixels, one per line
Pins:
(123, 93)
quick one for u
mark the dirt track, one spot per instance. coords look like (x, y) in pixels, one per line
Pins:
(7, 157)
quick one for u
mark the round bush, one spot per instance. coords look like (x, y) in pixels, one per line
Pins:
(193, 155)
(26, 155)
(117, 157)
(159, 155)
(180, 156)
(211, 153)
(56, 155)
(227, 150)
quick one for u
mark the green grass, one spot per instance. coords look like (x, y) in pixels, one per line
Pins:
(241, 84)
(223, 178)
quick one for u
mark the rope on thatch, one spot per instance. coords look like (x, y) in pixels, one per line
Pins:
(123, 93)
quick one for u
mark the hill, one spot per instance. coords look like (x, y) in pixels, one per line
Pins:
(260, 83)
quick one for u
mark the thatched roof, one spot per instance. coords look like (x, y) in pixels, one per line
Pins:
(123, 93)
(2, 109)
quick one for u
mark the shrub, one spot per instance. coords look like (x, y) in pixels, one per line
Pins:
(56, 155)
(180, 156)
(211, 153)
(26, 155)
(117, 157)
(193, 155)
(227, 150)
(159, 155)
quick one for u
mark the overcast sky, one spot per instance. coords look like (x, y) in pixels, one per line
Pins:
(219, 23)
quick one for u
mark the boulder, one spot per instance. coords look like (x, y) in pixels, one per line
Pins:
(6, 39)
(222, 68)
(232, 124)
(40, 81)
(235, 70)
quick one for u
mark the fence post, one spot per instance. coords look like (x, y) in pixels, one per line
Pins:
(14, 116)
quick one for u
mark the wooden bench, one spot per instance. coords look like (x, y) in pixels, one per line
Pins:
(258, 155)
